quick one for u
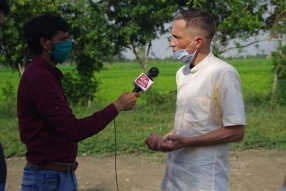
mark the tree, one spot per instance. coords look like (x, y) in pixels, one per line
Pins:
(275, 24)
(137, 23)
(91, 35)
(15, 53)
(235, 19)
(94, 40)
(279, 63)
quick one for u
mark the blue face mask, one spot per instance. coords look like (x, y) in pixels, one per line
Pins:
(61, 51)
(184, 56)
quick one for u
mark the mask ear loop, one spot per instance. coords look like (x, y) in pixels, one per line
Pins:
(52, 43)
(195, 51)
(190, 44)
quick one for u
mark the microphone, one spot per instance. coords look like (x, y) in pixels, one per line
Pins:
(143, 82)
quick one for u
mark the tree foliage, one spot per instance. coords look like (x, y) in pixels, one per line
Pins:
(278, 93)
(138, 22)
(15, 52)
(276, 23)
(94, 39)
(91, 36)
(236, 20)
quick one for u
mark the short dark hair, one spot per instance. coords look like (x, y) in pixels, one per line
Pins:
(45, 25)
(4, 6)
(198, 20)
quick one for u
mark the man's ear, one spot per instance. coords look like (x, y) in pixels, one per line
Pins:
(45, 44)
(200, 40)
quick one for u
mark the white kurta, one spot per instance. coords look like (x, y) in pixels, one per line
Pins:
(208, 97)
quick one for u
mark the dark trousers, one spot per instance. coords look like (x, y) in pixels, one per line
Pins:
(3, 169)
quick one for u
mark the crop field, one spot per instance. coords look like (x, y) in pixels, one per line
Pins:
(256, 76)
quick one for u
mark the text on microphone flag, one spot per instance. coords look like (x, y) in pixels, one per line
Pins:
(143, 80)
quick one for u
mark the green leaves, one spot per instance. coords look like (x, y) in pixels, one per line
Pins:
(79, 89)
(235, 19)
(138, 22)
(17, 54)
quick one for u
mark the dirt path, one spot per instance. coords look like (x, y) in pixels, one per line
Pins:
(250, 170)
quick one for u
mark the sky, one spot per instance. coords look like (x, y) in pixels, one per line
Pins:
(161, 48)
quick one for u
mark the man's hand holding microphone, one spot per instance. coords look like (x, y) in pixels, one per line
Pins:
(126, 101)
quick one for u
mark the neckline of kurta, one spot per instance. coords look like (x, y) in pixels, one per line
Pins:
(202, 64)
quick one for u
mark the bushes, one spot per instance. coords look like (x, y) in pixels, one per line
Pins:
(8, 109)
(281, 91)
(153, 97)
(79, 89)
(256, 98)
(8, 106)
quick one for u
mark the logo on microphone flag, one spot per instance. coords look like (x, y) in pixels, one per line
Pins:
(143, 82)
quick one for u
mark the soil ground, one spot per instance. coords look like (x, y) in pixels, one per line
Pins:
(250, 170)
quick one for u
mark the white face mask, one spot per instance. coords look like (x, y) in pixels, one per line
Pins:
(184, 56)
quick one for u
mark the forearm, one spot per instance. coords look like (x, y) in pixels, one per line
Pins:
(219, 136)
(83, 128)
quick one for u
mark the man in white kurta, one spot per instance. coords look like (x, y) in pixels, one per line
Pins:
(209, 110)
(209, 97)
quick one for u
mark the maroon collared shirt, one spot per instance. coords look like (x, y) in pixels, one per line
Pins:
(47, 125)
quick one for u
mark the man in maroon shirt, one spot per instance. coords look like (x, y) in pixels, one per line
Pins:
(47, 125)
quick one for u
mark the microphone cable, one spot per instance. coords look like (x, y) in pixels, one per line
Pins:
(115, 165)
(153, 72)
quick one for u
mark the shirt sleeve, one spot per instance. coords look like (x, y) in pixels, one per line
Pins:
(231, 100)
(49, 99)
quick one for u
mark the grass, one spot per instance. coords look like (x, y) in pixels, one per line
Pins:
(119, 78)
(256, 76)
(265, 128)
(265, 123)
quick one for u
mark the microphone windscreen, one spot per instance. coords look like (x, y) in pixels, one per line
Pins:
(154, 72)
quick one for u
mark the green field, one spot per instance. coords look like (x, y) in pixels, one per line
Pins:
(256, 76)
(265, 123)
